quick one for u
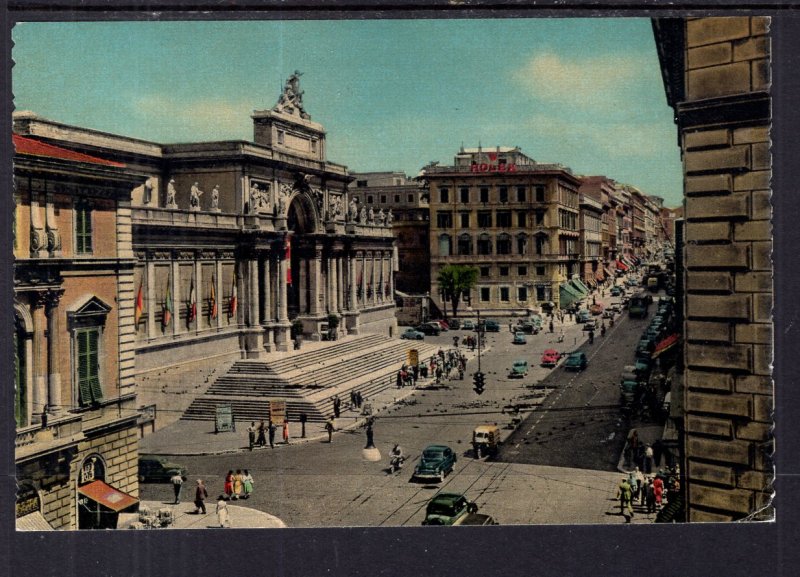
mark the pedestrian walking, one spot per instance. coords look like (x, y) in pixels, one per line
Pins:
(247, 481)
(353, 399)
(591, 337)
(624, 496)
(648, 459)
(337, 406)
(251, 435)
(223, 518)
(227, 487)
(640, 480)
(399, 380)
(271, 433)
(634, 483)
(238, 484)
(658, 491)
(370, 433)
(177, 485)
(329, 428)
(200, 496)
(650, 496)
(262, 434)
(303, 420)
(286, 431)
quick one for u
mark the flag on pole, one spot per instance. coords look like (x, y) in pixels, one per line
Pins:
(167, 308)
(213, 304)
(137, 313)
(288, 257)
(192, 303)
(234, 303)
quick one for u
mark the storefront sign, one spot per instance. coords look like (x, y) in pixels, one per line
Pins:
(413, 357)
(486, 167)
(27, 501)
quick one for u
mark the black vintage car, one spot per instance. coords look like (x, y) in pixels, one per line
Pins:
(154, 469)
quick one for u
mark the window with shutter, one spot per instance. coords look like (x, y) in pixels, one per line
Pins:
(83, 228)
(89, 388)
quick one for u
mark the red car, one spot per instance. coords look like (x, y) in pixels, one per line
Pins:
(442, 324)
(596, 309)
(550, 358)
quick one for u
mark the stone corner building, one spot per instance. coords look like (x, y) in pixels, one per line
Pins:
(716, 76)
(133, 257)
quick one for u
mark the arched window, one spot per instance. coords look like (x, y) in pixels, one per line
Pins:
(465, 244)
(484, 244)
(503, 244)
(522, 243)
(444, 245)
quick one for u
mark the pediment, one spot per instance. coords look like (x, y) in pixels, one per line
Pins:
(93, 306)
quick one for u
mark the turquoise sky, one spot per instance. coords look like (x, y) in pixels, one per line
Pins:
(392, 94)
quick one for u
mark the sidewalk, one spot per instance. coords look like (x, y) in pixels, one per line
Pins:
(184, 517)
(198, 437)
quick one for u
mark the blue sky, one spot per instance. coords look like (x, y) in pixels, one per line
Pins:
(392, 94)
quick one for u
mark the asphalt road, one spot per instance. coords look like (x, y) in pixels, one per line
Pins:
(580, 424)
(320, 484)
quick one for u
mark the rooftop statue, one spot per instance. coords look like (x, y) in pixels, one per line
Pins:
(291, 100)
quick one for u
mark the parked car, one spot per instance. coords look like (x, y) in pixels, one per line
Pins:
(436, 462)
(582, 316)
(615, 307)
(616, 291)
(444, 326)
(154, 469)
(468, 325)
(596, 309)
(519, 339)
(492, 326)
(550, 358)
(475, 519)
(519, 369)
(576, 361)
(454, 324)
(412, 335)
(526, 327)
(537, 321)
(447, 508)
(432, 329)
(590, 325)
(644, 348)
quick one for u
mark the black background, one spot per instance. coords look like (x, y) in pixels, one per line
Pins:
(747, 549)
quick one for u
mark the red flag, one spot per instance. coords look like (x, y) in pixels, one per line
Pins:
(288, 257)
(167, 308)
(192, 303)
(137, 313)
(213, 304)
(234, 300)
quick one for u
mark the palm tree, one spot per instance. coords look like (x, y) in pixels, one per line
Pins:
(456, 280)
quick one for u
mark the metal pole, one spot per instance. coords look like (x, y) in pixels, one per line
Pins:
(480, 332)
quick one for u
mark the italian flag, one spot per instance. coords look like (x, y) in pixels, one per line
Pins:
(288, 257)
(192, 303)
(167, 308)
(234, 303)
(213, 304)
(137, 313)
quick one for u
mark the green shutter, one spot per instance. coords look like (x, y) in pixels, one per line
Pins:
(89, 388)
(83, 228)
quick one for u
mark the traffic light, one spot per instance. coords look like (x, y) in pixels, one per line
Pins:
(478, 380)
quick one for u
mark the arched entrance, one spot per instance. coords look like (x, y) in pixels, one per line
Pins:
(301, 221)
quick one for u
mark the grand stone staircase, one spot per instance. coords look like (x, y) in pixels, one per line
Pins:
(307, 380)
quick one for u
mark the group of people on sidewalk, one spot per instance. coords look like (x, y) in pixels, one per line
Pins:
(238, 485)
(651, 492)
(258, 435)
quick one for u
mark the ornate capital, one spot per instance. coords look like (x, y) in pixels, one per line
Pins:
(52, 298)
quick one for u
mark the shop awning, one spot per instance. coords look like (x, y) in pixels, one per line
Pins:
(665, 345)
(107, 496)
(621, 265)
(580, 286)
(33, 522)
(568, 295)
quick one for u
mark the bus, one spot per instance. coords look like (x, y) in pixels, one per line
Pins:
(638, 305)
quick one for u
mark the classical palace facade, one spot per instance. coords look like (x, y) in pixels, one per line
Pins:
(212, 250)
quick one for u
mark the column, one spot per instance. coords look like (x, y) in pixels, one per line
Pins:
(391, 279)
(177, 302)
(316, 265)
(265, 290)
(340, 286)
(252, 290)
(363, 280)
(283, 311)
(218, 290)
(198, 292)
(53, 376)
(39, 400)
(331, 297)
(150, 279)
(351, 272)
(373, 280)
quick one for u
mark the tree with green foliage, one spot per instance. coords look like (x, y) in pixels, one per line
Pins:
(456, 280)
